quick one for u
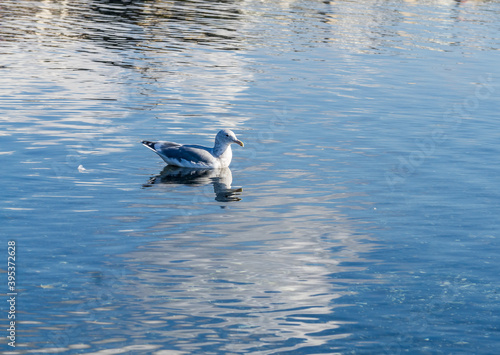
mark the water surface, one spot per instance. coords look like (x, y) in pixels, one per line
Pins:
(360, 217)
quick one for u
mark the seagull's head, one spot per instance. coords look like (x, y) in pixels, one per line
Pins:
(227, 136)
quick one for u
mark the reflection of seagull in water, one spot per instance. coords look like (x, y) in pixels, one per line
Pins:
(221, 179)
(197, 156)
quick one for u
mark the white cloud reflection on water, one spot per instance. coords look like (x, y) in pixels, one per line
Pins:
(259, 272)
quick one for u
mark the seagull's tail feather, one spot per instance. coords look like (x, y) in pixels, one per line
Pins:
(150, 145)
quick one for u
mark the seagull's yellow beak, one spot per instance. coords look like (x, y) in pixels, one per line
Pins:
(239, 142)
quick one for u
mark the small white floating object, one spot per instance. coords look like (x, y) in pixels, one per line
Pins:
(81, 169)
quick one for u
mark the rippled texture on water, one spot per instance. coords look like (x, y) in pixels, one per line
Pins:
(360, 217)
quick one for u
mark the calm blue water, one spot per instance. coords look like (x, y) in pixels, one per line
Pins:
(361, 217)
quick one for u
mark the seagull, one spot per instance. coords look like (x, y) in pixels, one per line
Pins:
(197, 156)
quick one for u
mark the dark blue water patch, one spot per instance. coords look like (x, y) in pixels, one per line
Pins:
(426, 311)
(423, 300)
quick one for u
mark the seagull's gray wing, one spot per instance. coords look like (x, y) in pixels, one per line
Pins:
(182, 155)
(192, 153)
